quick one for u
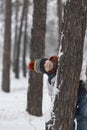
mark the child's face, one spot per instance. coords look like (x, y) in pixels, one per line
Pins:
(48, 66)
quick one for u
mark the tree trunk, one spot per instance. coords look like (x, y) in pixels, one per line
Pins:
(70, 65)
(70, 62)
(18, 45)
(37, 49)
(25, 39)
(7, 49)
(59, 6)
(16, 35)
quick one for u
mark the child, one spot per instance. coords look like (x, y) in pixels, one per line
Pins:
(45, 66)
(49, 67)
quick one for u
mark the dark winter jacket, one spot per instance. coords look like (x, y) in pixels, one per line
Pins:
(81, 112)
(50, 77)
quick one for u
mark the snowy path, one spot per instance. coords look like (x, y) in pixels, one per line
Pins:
(13, 115)
(15, 126)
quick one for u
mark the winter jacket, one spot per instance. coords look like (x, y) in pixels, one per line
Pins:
(81, 111)
(51, 82)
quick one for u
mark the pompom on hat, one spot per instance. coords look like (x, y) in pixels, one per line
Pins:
(37, 65)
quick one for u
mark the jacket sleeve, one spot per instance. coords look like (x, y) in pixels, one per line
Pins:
(81, 112)
(51, 86)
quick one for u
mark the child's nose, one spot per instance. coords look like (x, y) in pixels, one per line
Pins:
(48, 64)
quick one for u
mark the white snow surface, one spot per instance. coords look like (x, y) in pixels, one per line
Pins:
(13, 115)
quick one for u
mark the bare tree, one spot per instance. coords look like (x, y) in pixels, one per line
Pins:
(70, 65)
(18, 45)
(59, 10)
(16, 34)
(37, 48)
(25, 38)
(7, 49)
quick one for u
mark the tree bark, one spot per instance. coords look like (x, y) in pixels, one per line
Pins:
(70, 64)
(37, 49)
(18, 45)
(7, 49)
(25, 38)
(16, 36)
(59, 10)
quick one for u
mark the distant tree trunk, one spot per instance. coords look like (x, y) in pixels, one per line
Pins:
(16, 35)
(7, 49)
(18, 45)
(59, 10)
(37, 49)
(86, 76)
(70, 64)
(25, 39)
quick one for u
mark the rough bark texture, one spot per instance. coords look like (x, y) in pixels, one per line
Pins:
(70, 64)
(18, 44)
(7, 49)
(16, 34)
(37, 48)
(25, 38)
(59, 10)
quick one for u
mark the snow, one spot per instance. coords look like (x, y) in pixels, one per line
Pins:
(84, 65)
(13, 114)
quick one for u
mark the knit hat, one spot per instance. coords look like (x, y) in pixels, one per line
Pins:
(37, 65)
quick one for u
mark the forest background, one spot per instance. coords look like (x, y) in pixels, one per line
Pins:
(14, 83)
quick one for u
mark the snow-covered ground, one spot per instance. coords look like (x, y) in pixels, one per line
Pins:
(13, 115)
